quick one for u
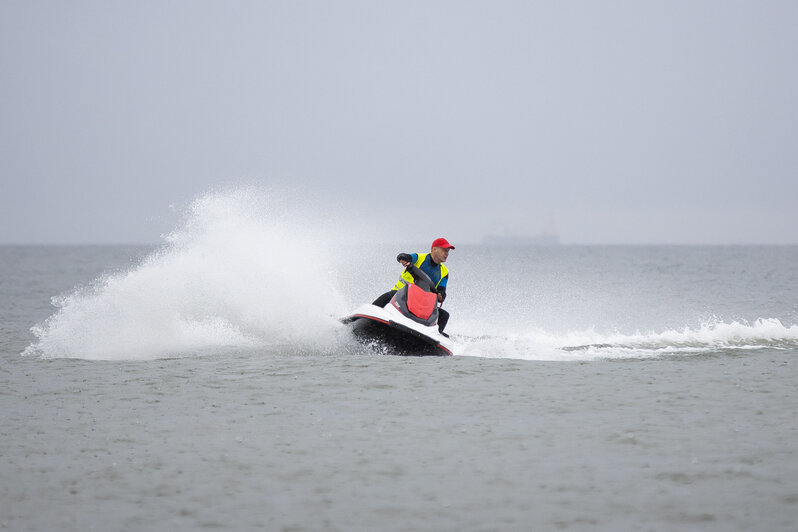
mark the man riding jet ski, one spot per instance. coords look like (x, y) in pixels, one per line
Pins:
(432, 264)
(408, 316)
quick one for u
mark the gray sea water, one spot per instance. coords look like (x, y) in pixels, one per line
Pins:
(203, 385)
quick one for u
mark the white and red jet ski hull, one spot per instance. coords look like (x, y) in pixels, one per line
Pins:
(388, 325)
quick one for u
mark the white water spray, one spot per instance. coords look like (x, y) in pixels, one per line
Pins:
(251, 269)
(711, 337)
(241, 271)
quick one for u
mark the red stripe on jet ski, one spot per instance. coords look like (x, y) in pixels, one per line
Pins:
(443, 348)
(371, 318)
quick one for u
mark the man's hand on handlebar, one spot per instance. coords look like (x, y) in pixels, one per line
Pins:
(404, 259)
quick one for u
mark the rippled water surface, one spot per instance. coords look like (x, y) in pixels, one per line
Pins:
(364, 442)
(199, 384)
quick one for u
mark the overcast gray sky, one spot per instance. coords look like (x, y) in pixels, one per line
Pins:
(618, 121)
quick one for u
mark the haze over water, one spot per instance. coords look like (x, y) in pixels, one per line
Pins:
(631, 123)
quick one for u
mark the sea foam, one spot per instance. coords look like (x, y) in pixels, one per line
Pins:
(711, 337)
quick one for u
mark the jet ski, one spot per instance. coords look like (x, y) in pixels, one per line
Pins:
(408, 325)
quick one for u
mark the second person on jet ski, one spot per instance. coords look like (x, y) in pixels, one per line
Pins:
(430, 263)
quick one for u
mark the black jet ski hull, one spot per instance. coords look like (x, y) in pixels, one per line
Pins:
(408, 339)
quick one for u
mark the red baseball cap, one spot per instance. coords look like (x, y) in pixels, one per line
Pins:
(442, 243)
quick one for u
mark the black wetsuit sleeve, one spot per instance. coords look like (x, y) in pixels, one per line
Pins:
(404, 256)
(442, 292)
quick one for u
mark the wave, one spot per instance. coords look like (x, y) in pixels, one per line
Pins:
(711, 337)
(255, 269)
(241, 271)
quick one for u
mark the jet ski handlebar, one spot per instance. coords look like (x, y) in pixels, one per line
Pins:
(421, 278)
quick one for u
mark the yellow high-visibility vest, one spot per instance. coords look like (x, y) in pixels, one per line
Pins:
(406, 278)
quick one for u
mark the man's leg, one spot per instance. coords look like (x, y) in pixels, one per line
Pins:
(443, 319)
(384, 299)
